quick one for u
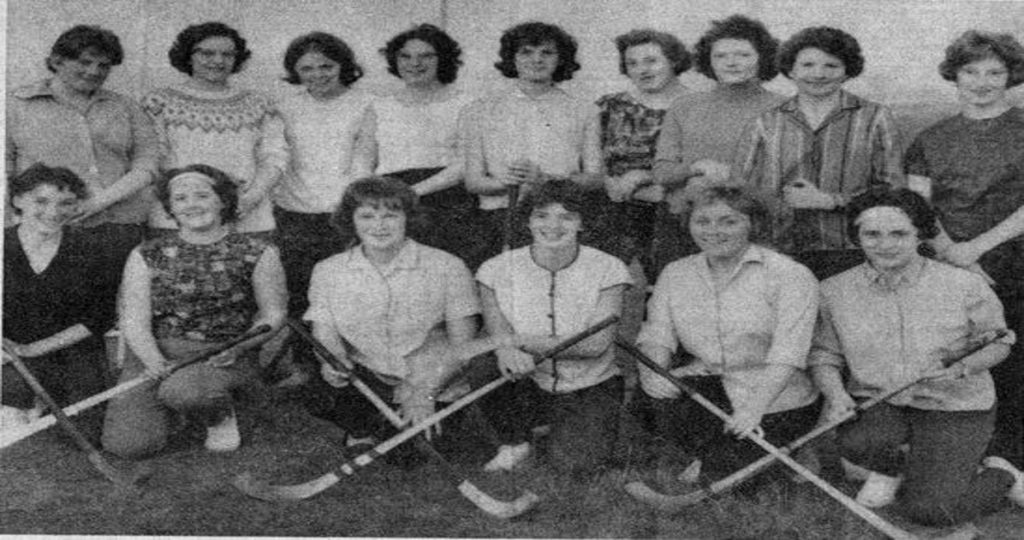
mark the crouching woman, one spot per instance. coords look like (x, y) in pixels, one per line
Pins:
(541, 294)
(385, 306)
(186, 293)
(895, 319)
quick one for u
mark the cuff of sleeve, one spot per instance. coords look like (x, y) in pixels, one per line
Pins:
(825, 358)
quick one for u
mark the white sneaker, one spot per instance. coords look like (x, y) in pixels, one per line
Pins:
(224, 437)
(854, 472)
(879, 490)
(509, 457)
(12, 417)
(1016, 493)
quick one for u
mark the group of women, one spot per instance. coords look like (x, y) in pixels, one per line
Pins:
(315, 206)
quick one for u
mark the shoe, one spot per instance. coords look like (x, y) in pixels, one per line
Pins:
(224, 437)
(853, 472)
(509, 457)
(691, 474)
(12, 417)
(879, 490)
(1016, 493)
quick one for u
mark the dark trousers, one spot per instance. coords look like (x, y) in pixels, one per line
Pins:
(448, 214)
(1008, 440)
(584, 424)
(701, 434)
(304, 240)
(941, 485)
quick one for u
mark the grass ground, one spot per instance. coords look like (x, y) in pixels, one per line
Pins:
(47, 487)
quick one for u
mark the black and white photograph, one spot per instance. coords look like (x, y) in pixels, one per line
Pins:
(667, 269)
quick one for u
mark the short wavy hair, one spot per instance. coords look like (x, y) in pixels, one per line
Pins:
(746, 200)
(185, 43)
(447, 49)
(538, 33)
(974, 45)
(921, 214)
(741, 28)
(38, 174)
(378, 191)
(830, 40)
(670, 46)
(328, 45)
(78, 39)
(223, 186)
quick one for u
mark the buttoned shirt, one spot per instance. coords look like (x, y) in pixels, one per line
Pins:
(538, 301)
(763, 315)
(890, 332)
(111, 137)
(856, 145)
(387, 313)
(554, 130)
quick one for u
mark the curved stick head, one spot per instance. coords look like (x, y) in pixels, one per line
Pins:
(668, 504)
(259, 489)
(496, 508)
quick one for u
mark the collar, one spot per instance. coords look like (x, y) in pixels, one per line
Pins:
(409, 257)
(847, 101)
(556, 92)
(754, 255)
(42, 89)
(908, 277)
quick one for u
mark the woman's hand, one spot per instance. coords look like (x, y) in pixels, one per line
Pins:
(333, 377)
(656, 386)
(621, 188)
(838, 407)
(224, 359)
(514, 363)
(745, 422)
(695, 368)
(415, 405)
(156, 370)
(802, 194)
(522, 171)
(962, 254)
(714, 171)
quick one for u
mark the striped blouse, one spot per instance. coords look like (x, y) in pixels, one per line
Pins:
(857, 145)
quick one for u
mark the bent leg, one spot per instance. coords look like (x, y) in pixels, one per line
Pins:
(585, 426)
(873, 439)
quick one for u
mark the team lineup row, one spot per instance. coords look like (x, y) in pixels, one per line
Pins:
(547, 199)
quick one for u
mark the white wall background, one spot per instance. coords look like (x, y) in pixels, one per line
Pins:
(903, 40)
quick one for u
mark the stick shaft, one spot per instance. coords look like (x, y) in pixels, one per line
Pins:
(9, 437)
(510, 217)
(759, 465)
(850, 504)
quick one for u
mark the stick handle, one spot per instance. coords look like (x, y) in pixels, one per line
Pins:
(510, 217)
(852, 505)
(11, 436)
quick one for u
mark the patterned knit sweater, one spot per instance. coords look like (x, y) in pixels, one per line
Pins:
(238, 131)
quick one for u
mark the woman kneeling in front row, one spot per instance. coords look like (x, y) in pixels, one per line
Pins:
(746, 314)
(890, 321)
(541, 294)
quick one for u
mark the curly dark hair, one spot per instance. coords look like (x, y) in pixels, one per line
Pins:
(671, 47)
(921, 214)
(185, 43)
(741, 28)
(383, 191)
(38, 174)
(78, 39)
(328, 45)
(538, 33)
(223, 186)
(447, 49)
(830, 40)
(561, 191)
(974, 45)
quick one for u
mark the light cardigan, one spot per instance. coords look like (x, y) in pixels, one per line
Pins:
(238, 132)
